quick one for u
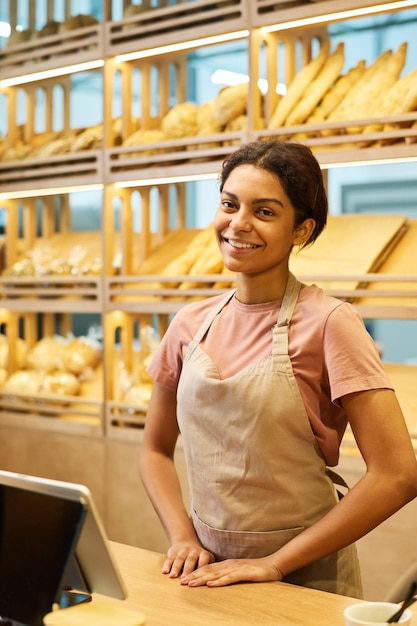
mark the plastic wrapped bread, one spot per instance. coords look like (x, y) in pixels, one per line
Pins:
(81, 355)
(46, 355)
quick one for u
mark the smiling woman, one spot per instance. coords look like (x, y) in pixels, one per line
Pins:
(262, 382)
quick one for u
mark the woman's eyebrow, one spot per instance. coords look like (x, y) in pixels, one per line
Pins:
(257, 201)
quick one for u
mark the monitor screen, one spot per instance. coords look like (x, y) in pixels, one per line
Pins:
(38, 533)
(51, 540)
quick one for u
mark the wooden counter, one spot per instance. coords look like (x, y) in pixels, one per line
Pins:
(164, 602)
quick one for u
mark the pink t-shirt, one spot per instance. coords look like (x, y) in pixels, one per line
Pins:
(331, 351)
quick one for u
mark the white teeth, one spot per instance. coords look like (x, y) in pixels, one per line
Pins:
(239, 244)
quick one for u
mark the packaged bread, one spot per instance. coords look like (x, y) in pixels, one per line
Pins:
(24, 382)
(20, 351)
(181, 121)
(47, 354)
(138, 395)
(61, 383)
(230, 102)
(315, 91)
(81, 355)
(298, 85)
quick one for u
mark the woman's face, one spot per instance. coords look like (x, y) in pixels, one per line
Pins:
(254, 223)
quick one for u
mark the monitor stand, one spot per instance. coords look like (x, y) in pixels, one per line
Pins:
(75, 589)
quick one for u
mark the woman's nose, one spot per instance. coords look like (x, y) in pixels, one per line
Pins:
(240, 221)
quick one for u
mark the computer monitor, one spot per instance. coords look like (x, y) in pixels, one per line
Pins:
(52, 543)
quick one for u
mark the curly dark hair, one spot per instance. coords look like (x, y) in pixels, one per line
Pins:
(298, 171)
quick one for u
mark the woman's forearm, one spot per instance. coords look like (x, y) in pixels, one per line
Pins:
(371, 501)
(160, 479)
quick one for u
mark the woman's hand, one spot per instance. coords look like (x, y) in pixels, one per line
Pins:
(233, 571)
(185, 557)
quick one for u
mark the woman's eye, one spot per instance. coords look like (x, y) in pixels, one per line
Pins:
(227, 204)
(265, 212)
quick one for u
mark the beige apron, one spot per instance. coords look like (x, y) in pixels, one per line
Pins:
(257, 475)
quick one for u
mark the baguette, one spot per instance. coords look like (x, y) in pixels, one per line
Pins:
(375, 90)
(318, 87)
(297, 87)
(335, 94)
(400, 98)
(346, 109)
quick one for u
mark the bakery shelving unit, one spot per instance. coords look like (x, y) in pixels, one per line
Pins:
(142, 55)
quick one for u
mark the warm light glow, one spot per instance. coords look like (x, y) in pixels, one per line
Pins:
(185, 45)
(341, 15)
(382, 161)
(52, 73)
(166, 180)
(39, 193)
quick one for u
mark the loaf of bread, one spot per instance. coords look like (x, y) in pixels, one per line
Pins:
(181, 121)
(50, 28)
(297, 87)
(336, 93)
(400, 98)
(77, 21)
(230, 102)
(370, 89)
(315, 91)
(144, 138)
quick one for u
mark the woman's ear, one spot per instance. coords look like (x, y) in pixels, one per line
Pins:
(303, 232)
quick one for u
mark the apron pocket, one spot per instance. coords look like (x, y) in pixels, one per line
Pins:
(235, 544)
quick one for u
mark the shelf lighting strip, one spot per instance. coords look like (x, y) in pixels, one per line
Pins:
(185, 45)
(166, 180)
(341, 15)
(52, 73)
(38, 193)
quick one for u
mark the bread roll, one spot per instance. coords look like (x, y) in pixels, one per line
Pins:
(297, 87)
(19, 36)
(181, 121)
(50, 28)
(144, 138)
(318, 87)
(77, 21)
(230, 102)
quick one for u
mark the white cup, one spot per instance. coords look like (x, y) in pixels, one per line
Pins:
(374, 614)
